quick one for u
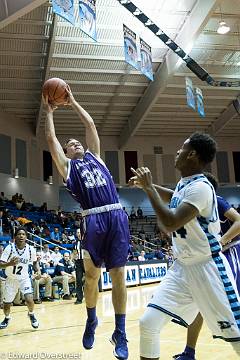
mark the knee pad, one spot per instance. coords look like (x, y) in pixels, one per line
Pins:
(150, 325)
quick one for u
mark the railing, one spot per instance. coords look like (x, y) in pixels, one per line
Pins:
(40, 244)
(144, 243)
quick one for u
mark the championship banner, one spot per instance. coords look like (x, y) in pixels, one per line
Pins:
(65, 9)
(146, 59)
(200, 104)
(130, 47)
(190, 93)
(87, 14)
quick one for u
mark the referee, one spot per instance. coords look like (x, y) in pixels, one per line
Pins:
(79, 268)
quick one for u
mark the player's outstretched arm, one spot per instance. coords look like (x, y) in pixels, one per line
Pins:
(14, 261)
(234, 230)
(168, 219)
(54, 145)
(165, 193)
(92, 139)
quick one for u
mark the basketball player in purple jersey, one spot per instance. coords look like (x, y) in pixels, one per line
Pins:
(230, 240)
(106, 230)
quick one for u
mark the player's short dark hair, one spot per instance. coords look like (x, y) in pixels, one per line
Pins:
(65, 145)
(19, 228)
(204, 145)
(212, 179)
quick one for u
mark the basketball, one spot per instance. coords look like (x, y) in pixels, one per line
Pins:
(55, 89)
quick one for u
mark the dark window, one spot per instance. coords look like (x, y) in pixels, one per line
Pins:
(47, 165)
(131, 160)
(236, 163)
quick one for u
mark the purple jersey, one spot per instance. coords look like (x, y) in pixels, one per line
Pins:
(90, 182)
(223, 207)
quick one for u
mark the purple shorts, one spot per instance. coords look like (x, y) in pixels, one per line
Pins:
(106, 238)
(233, 257)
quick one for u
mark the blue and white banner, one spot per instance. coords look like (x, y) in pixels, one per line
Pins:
(200, 104)
(87, 14)
(146, 59)
(131, 277)
(65, 9)
(149, 273)
(130, 47)
(190, 93)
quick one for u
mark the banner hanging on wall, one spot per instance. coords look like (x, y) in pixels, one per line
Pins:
(146, 59)
(65, 9)
(130, 47)
(200, 103)
(87, 14)
(190, 93)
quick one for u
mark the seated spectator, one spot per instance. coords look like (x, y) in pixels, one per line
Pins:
(55, 236)
(20, 202)
(3, 197)
(43, 207)
(159, 254)
(133, 213)
(46, 256)
(71, 237)
(139, 213)
(64, 236)
(43, 279)
(124, 209)
(65, 274)
(141, 257)
(14, 198)
(56, 256)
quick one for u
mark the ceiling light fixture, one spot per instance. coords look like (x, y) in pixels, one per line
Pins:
(223, 28)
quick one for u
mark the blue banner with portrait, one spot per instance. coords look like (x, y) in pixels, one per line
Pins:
(200, 104)
(130, 47)
(146, 59)
(87, 14)
(190, 93)
(65, 9)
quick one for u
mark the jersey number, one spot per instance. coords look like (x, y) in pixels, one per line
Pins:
(17, 270)
(182, 232)
(94, 178)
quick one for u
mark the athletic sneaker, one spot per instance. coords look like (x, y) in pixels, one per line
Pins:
(4, 323)
(184, 356)
(119, 340)
(34, 322)
(88, 336)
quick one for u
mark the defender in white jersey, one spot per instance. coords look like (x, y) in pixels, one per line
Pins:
(15, 260)
(200, 279)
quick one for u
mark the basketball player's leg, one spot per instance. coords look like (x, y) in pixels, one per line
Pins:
(11, 289)
(27, 291)
(119, 291)
(192, 337)
(92, 274)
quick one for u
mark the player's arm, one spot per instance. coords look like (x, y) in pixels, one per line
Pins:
(92, 139)
(54, 145)
(165, 193)
(234, 230)
(4, 264)
(168, 220)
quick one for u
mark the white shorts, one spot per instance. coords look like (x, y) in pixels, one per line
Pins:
(13, 285)
(189, 289)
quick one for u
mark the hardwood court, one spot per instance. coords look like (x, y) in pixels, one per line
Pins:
(62, 324)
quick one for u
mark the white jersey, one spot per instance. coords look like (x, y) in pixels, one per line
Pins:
(26, 256)
(199, 238)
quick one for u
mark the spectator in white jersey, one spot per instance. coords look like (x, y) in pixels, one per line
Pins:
(16, 259)
(200, 272)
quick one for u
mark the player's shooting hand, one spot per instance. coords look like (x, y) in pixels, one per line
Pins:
(48, 106)
(14, 261)
(133, 182)
(70, 97)
(144, 177)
